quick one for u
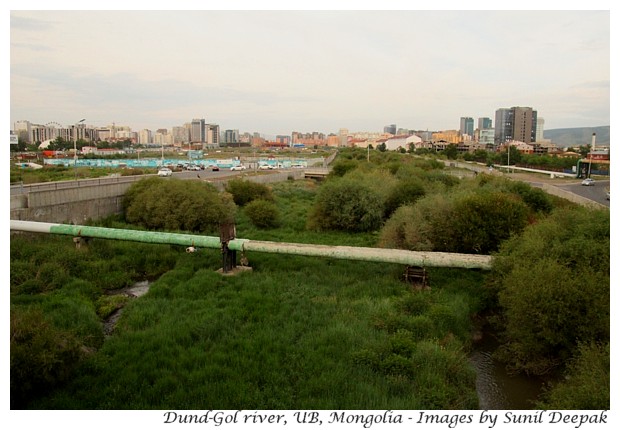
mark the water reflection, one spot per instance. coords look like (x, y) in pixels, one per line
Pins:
(496, 388)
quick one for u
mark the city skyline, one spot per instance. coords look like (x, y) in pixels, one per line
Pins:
(274, 72)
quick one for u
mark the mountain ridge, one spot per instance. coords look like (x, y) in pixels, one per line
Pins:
(576, 136)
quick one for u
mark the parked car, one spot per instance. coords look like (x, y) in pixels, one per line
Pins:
(587, 182)
(266, 167)
(238, 167)
(164, 171)
(607, 195)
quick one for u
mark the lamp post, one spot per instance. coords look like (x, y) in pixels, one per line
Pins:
(75, 147)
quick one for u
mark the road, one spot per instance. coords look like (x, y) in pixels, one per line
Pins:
(596, 192)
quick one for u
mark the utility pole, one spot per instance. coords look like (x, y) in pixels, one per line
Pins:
(75, 147)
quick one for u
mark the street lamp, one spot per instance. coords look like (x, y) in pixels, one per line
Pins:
(75, 147)
(508, 157)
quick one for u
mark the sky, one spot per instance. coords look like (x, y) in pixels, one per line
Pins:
(276, 71)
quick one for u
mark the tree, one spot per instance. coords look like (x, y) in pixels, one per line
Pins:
(171, 204)
(452, 151)
(59, 144)
(382, 147)
(584, 150)
(348, 205)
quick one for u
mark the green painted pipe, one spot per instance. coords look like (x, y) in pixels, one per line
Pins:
(119, 234)
(397, 256)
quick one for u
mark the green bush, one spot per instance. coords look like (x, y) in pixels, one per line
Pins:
(553, 288)
(263, 214)
(480, 222)
(348, 205)
(405, 192)
(244, 192)
(587, 384)
(535, 198)
(342, 167)
(172, 204)
(42, 356)
(468, 222)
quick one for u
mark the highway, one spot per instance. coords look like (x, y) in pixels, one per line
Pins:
(596, 192)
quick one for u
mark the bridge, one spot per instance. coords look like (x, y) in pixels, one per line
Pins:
(316, 172)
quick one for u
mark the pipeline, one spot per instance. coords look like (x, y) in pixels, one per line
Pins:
(398, 256)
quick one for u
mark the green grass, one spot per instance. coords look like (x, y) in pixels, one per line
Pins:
(287, 336)
(295, 333)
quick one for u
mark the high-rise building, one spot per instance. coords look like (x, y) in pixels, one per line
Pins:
(213, 134)
(145, 136)
(484, 123)
(540, 129)
(197, 131)
(22, 130)
(515, 123)
(231, 136)
(390, 129)
(180, 135)
(467, 126)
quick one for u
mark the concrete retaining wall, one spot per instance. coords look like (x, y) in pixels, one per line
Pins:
(75, 202)
(559, 192)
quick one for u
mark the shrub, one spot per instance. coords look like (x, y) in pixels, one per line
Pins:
(341, 167)
(471, 222)
(535, 198)
(173, 204)
(480, 222)
(263, 214)
(345, 204)
(405, 192)
(244, 192)
(587, 385)
(41, 356)
(553, 288)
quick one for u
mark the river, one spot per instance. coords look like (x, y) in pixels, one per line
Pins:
(496, 388)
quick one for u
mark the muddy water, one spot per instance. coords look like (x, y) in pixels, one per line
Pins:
(136, 290)
(496, 388)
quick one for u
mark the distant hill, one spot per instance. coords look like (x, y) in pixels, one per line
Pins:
(565, 137)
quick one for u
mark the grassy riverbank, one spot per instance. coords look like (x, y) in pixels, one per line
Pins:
(295, 333)
(315, 333)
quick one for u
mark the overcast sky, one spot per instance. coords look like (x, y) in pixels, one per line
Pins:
(275, 72)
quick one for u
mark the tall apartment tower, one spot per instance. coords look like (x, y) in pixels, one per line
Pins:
(540, 129)
(515, 123)
(484, 123)
(467, 126)
(197, 132)
(213, 134)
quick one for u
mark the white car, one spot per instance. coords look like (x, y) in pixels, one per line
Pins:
(164, 171)
(238, 167)
(587, 182)
(266, 167)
